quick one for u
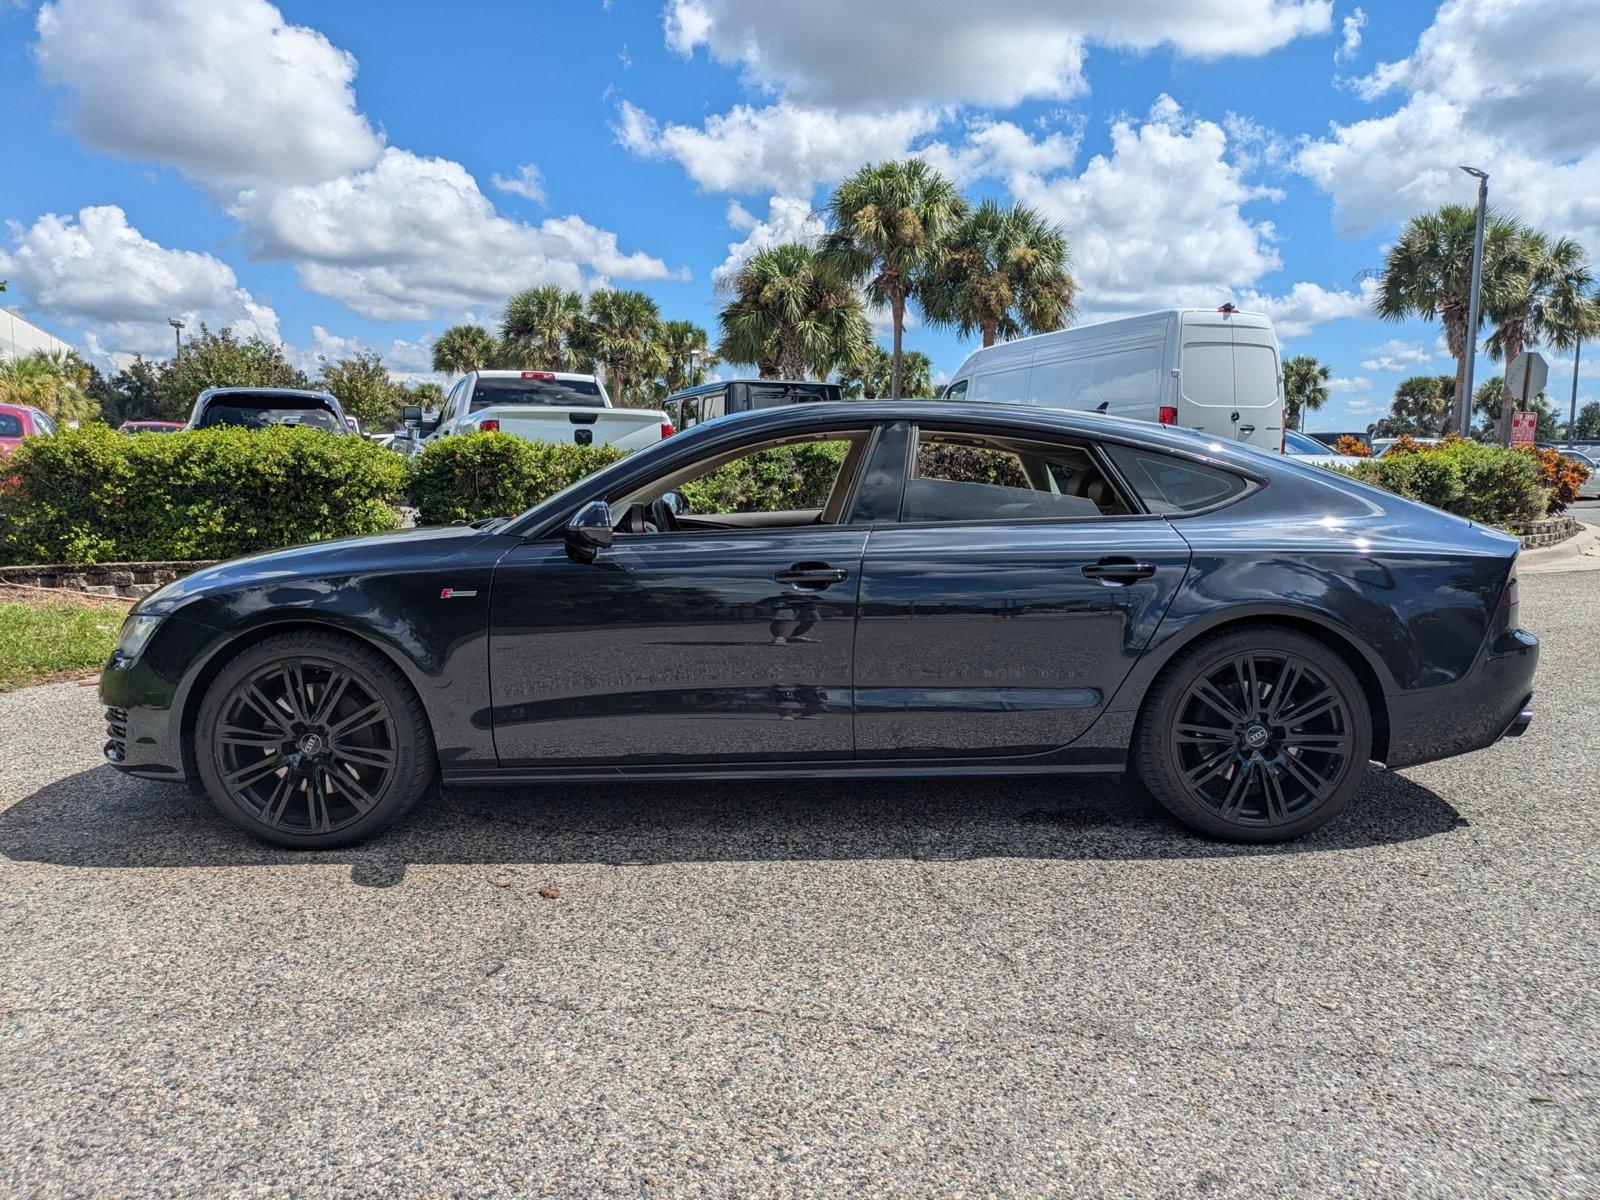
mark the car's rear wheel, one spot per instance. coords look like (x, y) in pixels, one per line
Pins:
(1259, 734)
(312, 740)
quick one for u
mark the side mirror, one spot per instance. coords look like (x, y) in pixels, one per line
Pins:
(677, 502)
(589, 531)
(411, 415)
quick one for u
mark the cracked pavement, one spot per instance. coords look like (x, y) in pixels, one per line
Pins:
(892, 988)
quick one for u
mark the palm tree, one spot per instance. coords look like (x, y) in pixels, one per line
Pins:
(1427, 273)
(463, 348)
(53, 381)
(1004, 271)
(1422, 404)
(1550, 301)
(1305, 388)
(790, 311)
(689, 355)
(621, 335)
(887, 224)
(540, 326)
(870, 377)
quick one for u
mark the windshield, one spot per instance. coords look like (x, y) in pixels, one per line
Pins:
(259, 416)
(10, 426)
(572, 393)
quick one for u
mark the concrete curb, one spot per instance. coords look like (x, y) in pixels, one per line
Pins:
(1579, 552)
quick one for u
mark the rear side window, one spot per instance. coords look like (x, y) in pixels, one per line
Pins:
(566, 393)
(1175, 485)
(10, 426)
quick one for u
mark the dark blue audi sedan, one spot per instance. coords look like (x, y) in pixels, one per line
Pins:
(923, 588)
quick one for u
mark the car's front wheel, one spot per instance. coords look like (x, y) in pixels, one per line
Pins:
(312, 740)
(1259, 734)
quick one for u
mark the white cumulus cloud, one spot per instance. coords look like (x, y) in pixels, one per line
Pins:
(226, 92)
(1507, 85)
(1396, 355)
(848, 54)
(414, 236)
(95, 271)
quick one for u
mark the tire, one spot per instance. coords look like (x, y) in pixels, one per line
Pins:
(312, 741)
(1267, 771)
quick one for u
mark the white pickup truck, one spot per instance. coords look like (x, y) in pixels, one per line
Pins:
(547, 406)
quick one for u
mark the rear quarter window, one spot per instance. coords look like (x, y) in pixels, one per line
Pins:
(1169, 485)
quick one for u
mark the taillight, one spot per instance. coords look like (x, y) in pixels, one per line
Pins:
(667, 430)
(1168, 414)
(489, 426)
(1506, 618)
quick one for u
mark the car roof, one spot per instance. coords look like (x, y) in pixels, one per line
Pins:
(498, 374)
(310, 393)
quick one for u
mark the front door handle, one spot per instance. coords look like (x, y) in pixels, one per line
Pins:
(812, 575)
(1114, 570)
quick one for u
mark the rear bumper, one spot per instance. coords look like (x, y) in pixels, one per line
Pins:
(1491, 702)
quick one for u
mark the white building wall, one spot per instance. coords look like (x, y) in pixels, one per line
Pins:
(19, 336)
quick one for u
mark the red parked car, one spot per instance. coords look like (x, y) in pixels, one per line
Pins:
(18, 421)
(150, 427)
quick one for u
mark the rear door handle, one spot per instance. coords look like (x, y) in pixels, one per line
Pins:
(1113, 570)
(812, 575)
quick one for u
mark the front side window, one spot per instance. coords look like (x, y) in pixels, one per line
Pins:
(46, 425)
(795, 481)
(964, 476)
(956, 391)
(1175, 485)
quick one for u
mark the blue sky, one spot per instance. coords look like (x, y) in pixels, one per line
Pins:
(345, 174)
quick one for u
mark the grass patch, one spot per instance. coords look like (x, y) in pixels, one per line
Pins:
(47, 639)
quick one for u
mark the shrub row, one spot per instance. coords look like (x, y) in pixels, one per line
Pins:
(95, 495)
(1489, 484)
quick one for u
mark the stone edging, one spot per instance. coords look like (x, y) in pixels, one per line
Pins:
(127, 579)
(1548, 532)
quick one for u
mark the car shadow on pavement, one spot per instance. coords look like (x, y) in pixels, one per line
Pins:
(100, 818)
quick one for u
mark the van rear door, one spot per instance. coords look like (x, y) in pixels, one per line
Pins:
(1228, 380)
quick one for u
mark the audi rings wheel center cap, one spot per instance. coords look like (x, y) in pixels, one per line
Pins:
(312, 743)
(1256, 737)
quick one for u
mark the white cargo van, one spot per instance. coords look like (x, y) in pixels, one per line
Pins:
(1212, 370)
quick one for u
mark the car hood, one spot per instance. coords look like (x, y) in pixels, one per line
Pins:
(396, 550)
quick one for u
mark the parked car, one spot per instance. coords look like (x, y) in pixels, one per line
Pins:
(546, 406)
(150, 427)
(1588, 456)
(1308, 449)
(1212, 371)
(257, 408)
(695, 405)
(1242, 631)
(1330, 437)
(1382, 446)
(19, 421)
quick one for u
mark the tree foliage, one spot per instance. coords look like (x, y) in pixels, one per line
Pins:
(621, 334)
(363, 388)
(463, 348)
(53, 381)
(542, 329)
(870, 377)
(792, 313)
(887, 224)
(219, 359)
(1002, 271)
(1305, 388)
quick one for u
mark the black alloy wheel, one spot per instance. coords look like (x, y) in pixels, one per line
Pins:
(1261, 735)
(311, 740)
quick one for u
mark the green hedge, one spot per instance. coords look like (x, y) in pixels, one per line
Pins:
(95, 495)
(1482, 483)
(477, 475)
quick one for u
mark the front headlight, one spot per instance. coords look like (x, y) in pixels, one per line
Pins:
(136, 633)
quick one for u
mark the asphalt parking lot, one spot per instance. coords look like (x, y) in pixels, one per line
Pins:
(923, 989)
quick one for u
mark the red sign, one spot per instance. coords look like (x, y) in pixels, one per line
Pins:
(1522, 426)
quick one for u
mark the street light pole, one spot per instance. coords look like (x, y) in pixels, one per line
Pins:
(177, 334)
(1572, 408)
(1472, 307)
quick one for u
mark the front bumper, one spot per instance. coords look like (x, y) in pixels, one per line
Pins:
(1490, 702)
